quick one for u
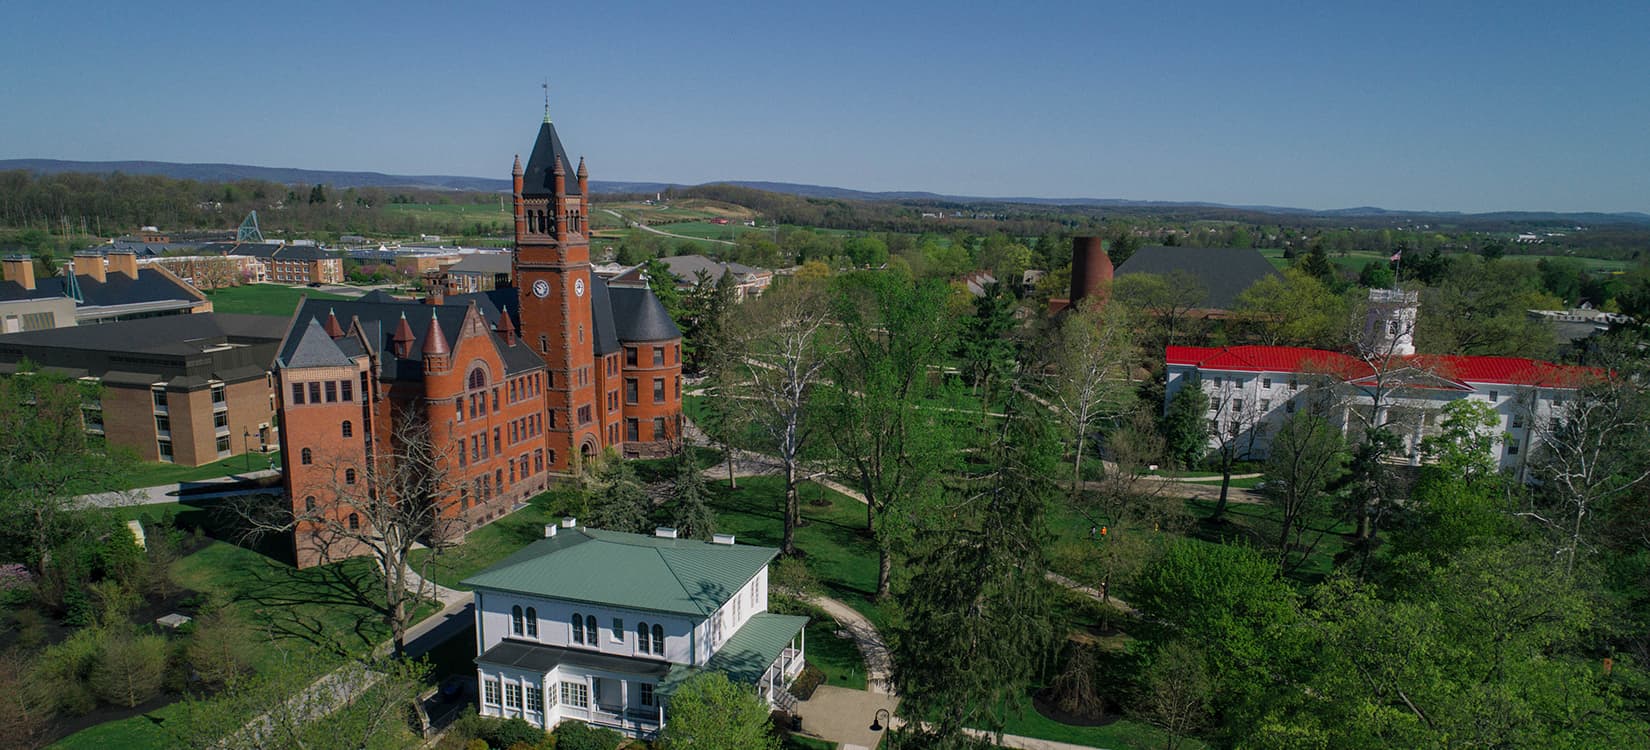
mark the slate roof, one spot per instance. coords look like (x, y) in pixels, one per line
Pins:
(639, 316)
(1224, 272)
(677, 576)
(316, 349)
(150, 286)
(537, 177)
(379, 315)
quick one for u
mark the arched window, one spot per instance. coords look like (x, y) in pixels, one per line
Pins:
(590, 630)
(515, 620)
(641, 637)
(658, 639)
(532, 622)
(306, 458)
(348, 429)
(354, 522)
(478, 379)
(309, 504)
(578, 628)
(349, 476)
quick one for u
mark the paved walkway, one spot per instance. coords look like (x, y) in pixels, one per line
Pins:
(865, 636)
(196, 489)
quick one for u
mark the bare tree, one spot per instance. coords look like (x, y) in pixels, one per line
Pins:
(1087, 373)
(381, 507)
(778, 346)
(1178, 692)
(1307, 456)
(1592, 450)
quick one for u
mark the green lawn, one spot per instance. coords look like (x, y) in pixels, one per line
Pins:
(263, 299)
(447, 211)
(495, 541)
(154, 473)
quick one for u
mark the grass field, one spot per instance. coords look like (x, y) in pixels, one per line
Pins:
(497, 540)
(152, 473)
(484, 212)
(263, 299)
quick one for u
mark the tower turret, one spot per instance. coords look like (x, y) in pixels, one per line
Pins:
(436, 354)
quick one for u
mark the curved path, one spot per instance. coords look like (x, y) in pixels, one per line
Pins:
(663, 233)
(865, 636)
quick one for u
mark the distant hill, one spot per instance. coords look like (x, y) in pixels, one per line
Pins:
(232, 172)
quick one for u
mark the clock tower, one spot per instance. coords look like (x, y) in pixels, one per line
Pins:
(552, 276)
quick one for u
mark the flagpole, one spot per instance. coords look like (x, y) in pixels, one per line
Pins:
(1397, 268)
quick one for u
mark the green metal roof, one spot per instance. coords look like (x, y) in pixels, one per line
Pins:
(746, 655)
(636, 571)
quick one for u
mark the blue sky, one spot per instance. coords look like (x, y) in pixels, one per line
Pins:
(1443, 105)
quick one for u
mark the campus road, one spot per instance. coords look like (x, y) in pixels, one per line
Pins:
(647, 228)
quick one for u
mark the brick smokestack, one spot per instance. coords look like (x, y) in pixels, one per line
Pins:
(1091, 270)
(20, 268)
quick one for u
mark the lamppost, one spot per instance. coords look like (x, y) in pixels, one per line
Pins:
(882, 715)
(246, 448)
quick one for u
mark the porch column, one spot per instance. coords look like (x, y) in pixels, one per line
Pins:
(624, 701)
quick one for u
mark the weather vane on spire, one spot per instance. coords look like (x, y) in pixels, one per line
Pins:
(546, 100)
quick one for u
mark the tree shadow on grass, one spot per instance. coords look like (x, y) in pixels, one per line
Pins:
(332, 607)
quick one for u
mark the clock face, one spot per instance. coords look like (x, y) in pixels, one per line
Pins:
(541, 288)
(578, 287)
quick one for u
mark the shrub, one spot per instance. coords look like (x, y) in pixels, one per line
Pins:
(217, 648)
(806, 682)
(477, 744)
(511, 732)
(791, 576)
(130, 669)
(577, 735)
(62, 672)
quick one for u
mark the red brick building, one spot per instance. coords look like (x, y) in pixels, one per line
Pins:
(516, 384)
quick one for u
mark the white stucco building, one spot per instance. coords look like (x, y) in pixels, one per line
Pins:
(601, 626)
(1253, 389)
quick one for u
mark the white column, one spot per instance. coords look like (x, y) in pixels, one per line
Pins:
(624, 700)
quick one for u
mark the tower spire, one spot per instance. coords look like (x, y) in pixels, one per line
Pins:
(546, 100)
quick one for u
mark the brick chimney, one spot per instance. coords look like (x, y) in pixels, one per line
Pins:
(20, 268)
(123, 261)
(89, 263)
(437, 295)
(1091, 270)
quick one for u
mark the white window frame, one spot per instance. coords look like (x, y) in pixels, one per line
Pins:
(575, 694)
(490, 691)
(512, 695)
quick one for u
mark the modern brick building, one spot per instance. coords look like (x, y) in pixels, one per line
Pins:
(95, 287)
(514, 385)
(287, 264)
(187, 389)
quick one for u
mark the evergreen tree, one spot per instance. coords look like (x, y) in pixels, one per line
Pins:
(1185, 426)
(690, 507)
(976, 620)
(617, 500)
(987, 347)
(1316, 264)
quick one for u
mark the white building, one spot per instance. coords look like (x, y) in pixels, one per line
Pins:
(1253, 389)
(601, 626)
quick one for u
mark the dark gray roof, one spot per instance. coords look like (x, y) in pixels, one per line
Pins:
(639, 316)
(315, 349)
(267, 250)
(687, 267)
(116, 289)
(380, 316)
(606, 334)
(537, 177)
(1224, 272)
(535, 657)
(227, 347)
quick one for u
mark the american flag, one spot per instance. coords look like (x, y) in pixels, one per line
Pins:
(1395, 256)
